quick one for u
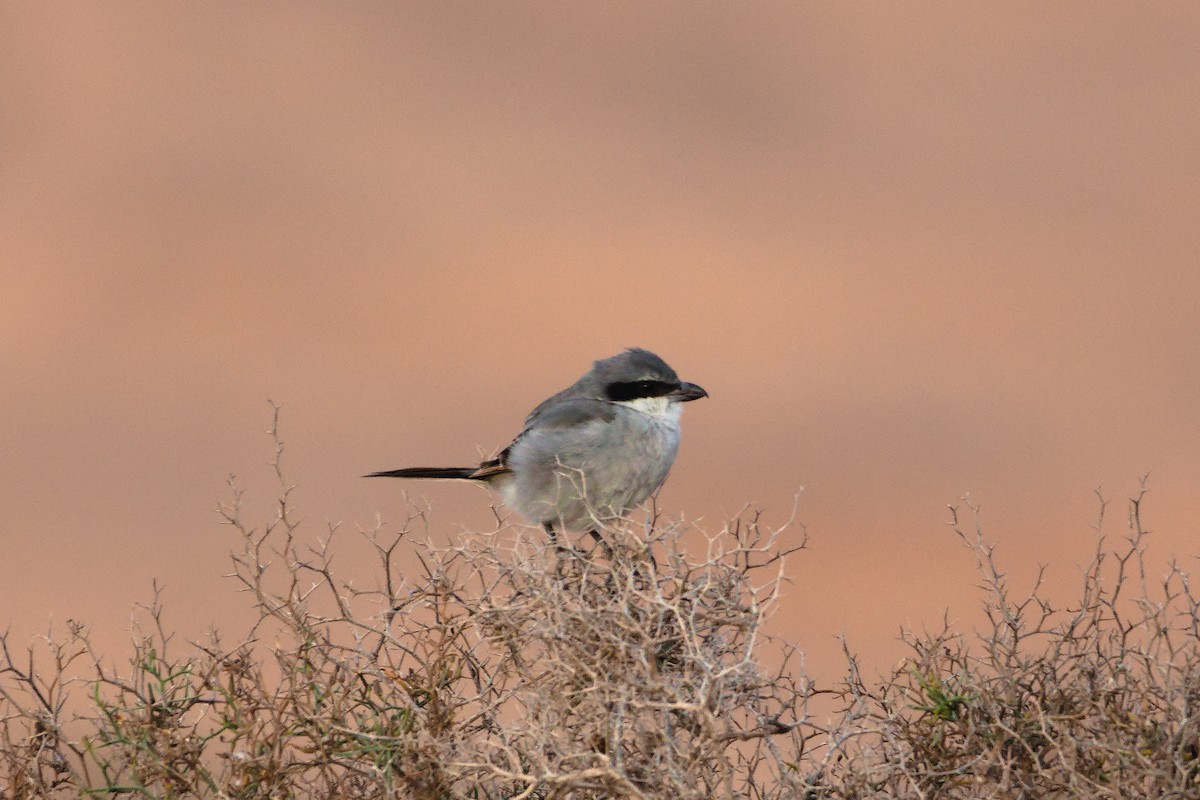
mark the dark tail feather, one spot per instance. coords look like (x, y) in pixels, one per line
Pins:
(426, 472)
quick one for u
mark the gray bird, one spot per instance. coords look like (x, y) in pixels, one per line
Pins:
(590, 453)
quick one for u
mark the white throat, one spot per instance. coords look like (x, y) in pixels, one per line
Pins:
(661, 409)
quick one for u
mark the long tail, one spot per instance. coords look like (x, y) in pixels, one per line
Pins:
(464, 473)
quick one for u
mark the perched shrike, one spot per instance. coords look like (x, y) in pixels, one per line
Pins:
(590, 453)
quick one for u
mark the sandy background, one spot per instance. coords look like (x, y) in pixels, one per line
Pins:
(911, 251)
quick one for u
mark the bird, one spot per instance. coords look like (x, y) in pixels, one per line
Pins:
(591, 453)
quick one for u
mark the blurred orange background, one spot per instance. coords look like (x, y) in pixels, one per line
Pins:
(912, 252)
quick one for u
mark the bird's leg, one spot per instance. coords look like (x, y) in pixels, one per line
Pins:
(560, 552)
(603, 545)
(559, 547)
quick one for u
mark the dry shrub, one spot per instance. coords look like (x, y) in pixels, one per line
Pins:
(1097, 698)
(503, 667)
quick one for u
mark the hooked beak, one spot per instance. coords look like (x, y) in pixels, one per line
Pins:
(687, 392)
